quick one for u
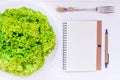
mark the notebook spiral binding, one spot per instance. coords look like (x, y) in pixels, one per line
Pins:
(64, 45)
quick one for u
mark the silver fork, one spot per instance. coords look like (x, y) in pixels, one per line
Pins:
(100, 9)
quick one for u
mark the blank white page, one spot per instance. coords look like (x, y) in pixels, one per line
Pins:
(81, 45)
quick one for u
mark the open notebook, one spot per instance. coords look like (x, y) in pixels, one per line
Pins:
(82, 45)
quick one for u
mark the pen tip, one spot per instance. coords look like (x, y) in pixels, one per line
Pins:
(106, 32)
(106, 65)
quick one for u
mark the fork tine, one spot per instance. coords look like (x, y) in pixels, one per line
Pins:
(106, 9)
(109, 9)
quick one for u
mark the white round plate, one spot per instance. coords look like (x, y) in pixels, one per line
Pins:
(50, 59)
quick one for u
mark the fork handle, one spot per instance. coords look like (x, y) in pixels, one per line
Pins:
(75, 9)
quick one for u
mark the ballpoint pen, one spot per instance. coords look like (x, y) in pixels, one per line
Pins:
(106, 49)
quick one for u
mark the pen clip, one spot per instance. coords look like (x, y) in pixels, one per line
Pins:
(108, 58)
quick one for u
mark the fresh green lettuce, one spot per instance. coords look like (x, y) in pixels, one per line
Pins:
(26, 38)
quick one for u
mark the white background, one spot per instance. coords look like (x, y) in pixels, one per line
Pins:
(53, 70)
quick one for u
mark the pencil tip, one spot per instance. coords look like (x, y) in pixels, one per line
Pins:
(106, 32)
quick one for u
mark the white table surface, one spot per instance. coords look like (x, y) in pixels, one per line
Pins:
(54, 71)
